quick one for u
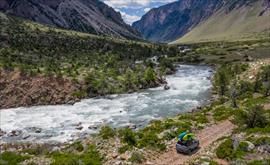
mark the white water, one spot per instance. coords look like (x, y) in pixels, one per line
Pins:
(189, 88)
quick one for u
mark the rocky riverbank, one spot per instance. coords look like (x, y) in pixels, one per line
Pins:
(23, 90)
(18, 89)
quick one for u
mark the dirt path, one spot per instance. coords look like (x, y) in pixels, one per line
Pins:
(206, 136)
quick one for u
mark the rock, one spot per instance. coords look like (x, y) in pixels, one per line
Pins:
(25, 136)
(92, 127)
(235, 143)
(15, 133)
(205, 163)
(264, 149)
(206, 158)
(114, 155)
(250, 146)
(149, 163)
(166, 87)
(118, 163)
(2, 133)
(71, 102)
(132, 126)
(77, 124)
(54, 149)
(38, 130)
(79, 127)
(34, 129)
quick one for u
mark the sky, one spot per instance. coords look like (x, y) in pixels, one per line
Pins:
(133, 10)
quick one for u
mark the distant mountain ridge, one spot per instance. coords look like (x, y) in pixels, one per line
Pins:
(247, 20)
(172, 21)
(91, 16)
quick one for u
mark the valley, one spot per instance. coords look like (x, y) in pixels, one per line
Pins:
(78, 86)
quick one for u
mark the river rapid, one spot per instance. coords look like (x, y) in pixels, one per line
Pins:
(190, 87)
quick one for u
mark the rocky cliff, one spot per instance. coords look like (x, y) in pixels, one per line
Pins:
(92, 16)
(174, 20)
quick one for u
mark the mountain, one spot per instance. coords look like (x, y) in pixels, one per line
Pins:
(173, 20)
(91, 16)
(204, 19)
(233, 22)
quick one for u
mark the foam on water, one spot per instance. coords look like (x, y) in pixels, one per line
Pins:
(189, 88)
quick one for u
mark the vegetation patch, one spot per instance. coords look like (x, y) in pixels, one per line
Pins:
(13, 158)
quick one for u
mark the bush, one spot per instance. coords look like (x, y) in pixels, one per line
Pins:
(91, 157)
(223, 113)
(225, 150)
(77, 146)
(128, 136)
(124, 148)
(12, 158)
(254, 117)
(136, 157)
(106, 132)
(149, 139)
(39, 150)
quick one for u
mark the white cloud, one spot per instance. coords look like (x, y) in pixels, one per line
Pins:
(146, 9)
(130, 18)
(133, 3)
(141, 5)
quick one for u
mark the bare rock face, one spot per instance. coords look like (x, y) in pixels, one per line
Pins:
(91, 16)
(174, 20)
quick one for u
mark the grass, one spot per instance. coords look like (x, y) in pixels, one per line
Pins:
(223, 113)
(12, 158)
(106, 132)
(91, 157)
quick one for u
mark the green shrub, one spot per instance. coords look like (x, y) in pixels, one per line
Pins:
(77, 146)
(39, 150)
(252, 118)
(128, 136)
(12, 158)
(124, 148)
(223, 113)
(149, 139)
(80, 94)
(91, 157)
(225, 149)
(260, 162)
(136, 157)
(106, 132)
(262, 141)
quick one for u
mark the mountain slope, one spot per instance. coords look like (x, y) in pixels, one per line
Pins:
(91, 16)
(173, 20)
(230, 23)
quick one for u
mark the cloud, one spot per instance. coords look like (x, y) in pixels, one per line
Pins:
(133, 3)
(132, 10)
(129, 18)
(146, 9)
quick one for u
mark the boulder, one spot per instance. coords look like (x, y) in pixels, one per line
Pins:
(205, 163)
(2, 133)
(92, 127)
(166, 87)
(25, 136)
(15, 133)
(79, 127)
(247, 146)
(264, 149)
(250, 146)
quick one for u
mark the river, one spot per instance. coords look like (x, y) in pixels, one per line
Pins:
(189, 87)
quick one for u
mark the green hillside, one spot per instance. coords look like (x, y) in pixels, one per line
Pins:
(246, 22)
(89, 65)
